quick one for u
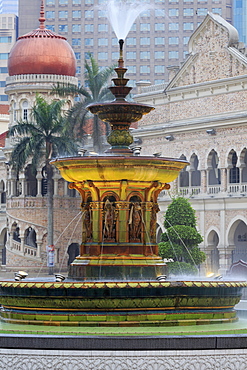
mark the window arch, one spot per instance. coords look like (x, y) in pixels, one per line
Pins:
(15, 118)
(30, 237)
(44, 182)
(214, 177)
(243, 165)
(195, 173)
(213, 242)
(234, 170)
(31, 181)
(184, 175)
(25, 110)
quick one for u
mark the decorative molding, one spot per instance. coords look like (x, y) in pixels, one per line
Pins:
(123, 360)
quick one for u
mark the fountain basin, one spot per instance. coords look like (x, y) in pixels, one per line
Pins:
(112, 303)
(119, 110)
(117, 168)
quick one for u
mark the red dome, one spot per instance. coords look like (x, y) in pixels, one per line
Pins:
(42, 52)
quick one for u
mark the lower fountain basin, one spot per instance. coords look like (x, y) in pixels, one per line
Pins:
(125, 303)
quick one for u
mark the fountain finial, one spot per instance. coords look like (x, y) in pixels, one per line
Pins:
(120, 60)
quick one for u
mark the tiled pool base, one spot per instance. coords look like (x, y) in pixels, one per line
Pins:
(238, 327)
(134, 303)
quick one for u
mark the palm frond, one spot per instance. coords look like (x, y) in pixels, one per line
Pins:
(64, 90)
(23, 128)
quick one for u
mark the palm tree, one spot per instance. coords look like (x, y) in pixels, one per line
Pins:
(96, 90)
(45, 137)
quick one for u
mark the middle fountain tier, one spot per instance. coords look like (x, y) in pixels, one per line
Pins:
(119, 194)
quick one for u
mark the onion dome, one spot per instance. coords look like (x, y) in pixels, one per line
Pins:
(42, 52)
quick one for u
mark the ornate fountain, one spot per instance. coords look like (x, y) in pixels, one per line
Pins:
(119, 194)
(113, 282)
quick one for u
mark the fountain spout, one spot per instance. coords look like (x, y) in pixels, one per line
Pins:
(120, 60)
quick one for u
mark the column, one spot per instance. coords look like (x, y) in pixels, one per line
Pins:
(39, 249)
(22, 181)
(240, 179)
(227, 178)
(55, 186)
(207, 180)
(65, 188)
(39, 178)
(22, 244)
(8, 188)
(224, 174)
(12, 187)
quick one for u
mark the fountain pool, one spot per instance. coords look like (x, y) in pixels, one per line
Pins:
(113, 282)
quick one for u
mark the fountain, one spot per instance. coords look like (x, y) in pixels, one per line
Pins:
(118, 278)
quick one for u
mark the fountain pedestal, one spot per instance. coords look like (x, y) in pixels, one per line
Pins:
(119, 207)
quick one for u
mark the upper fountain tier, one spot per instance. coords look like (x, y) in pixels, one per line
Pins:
(120, 113)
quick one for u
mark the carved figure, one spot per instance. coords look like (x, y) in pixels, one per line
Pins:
(153, 220)
(135, 222)
(87, 222)
(110, 216)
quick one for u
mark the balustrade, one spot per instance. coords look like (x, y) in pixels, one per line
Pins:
(233, 188)
(30, 251)
(213, 189)
(16, 246)
(27, 252)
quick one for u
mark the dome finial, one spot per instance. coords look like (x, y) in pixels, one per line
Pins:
(42, 16)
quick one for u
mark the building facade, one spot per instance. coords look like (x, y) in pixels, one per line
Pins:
(201, 117)
(9, 6)
(240, 18)
(8, 35)
(157, 39)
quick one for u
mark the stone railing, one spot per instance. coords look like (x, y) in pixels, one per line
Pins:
(233, 188)
(213, 189)
(28, 251)
(27, 202)
(45, 78)
(16, 246)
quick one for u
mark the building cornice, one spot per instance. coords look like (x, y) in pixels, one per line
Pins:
(200, 90)
(219, 121)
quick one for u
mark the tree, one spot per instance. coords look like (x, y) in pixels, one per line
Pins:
(181, 239)
(96, 80)
(46, 136)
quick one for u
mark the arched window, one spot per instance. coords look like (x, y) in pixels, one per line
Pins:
(214, 177)
(25, 110)
(31, 181)
(234, 170)
(243, 160)
(30, 237)
(16, 233)
(240, 242)
(44, 182)
(195, 173)
(184, 174)
(213, 241)
(2, 192)
(14, 112)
